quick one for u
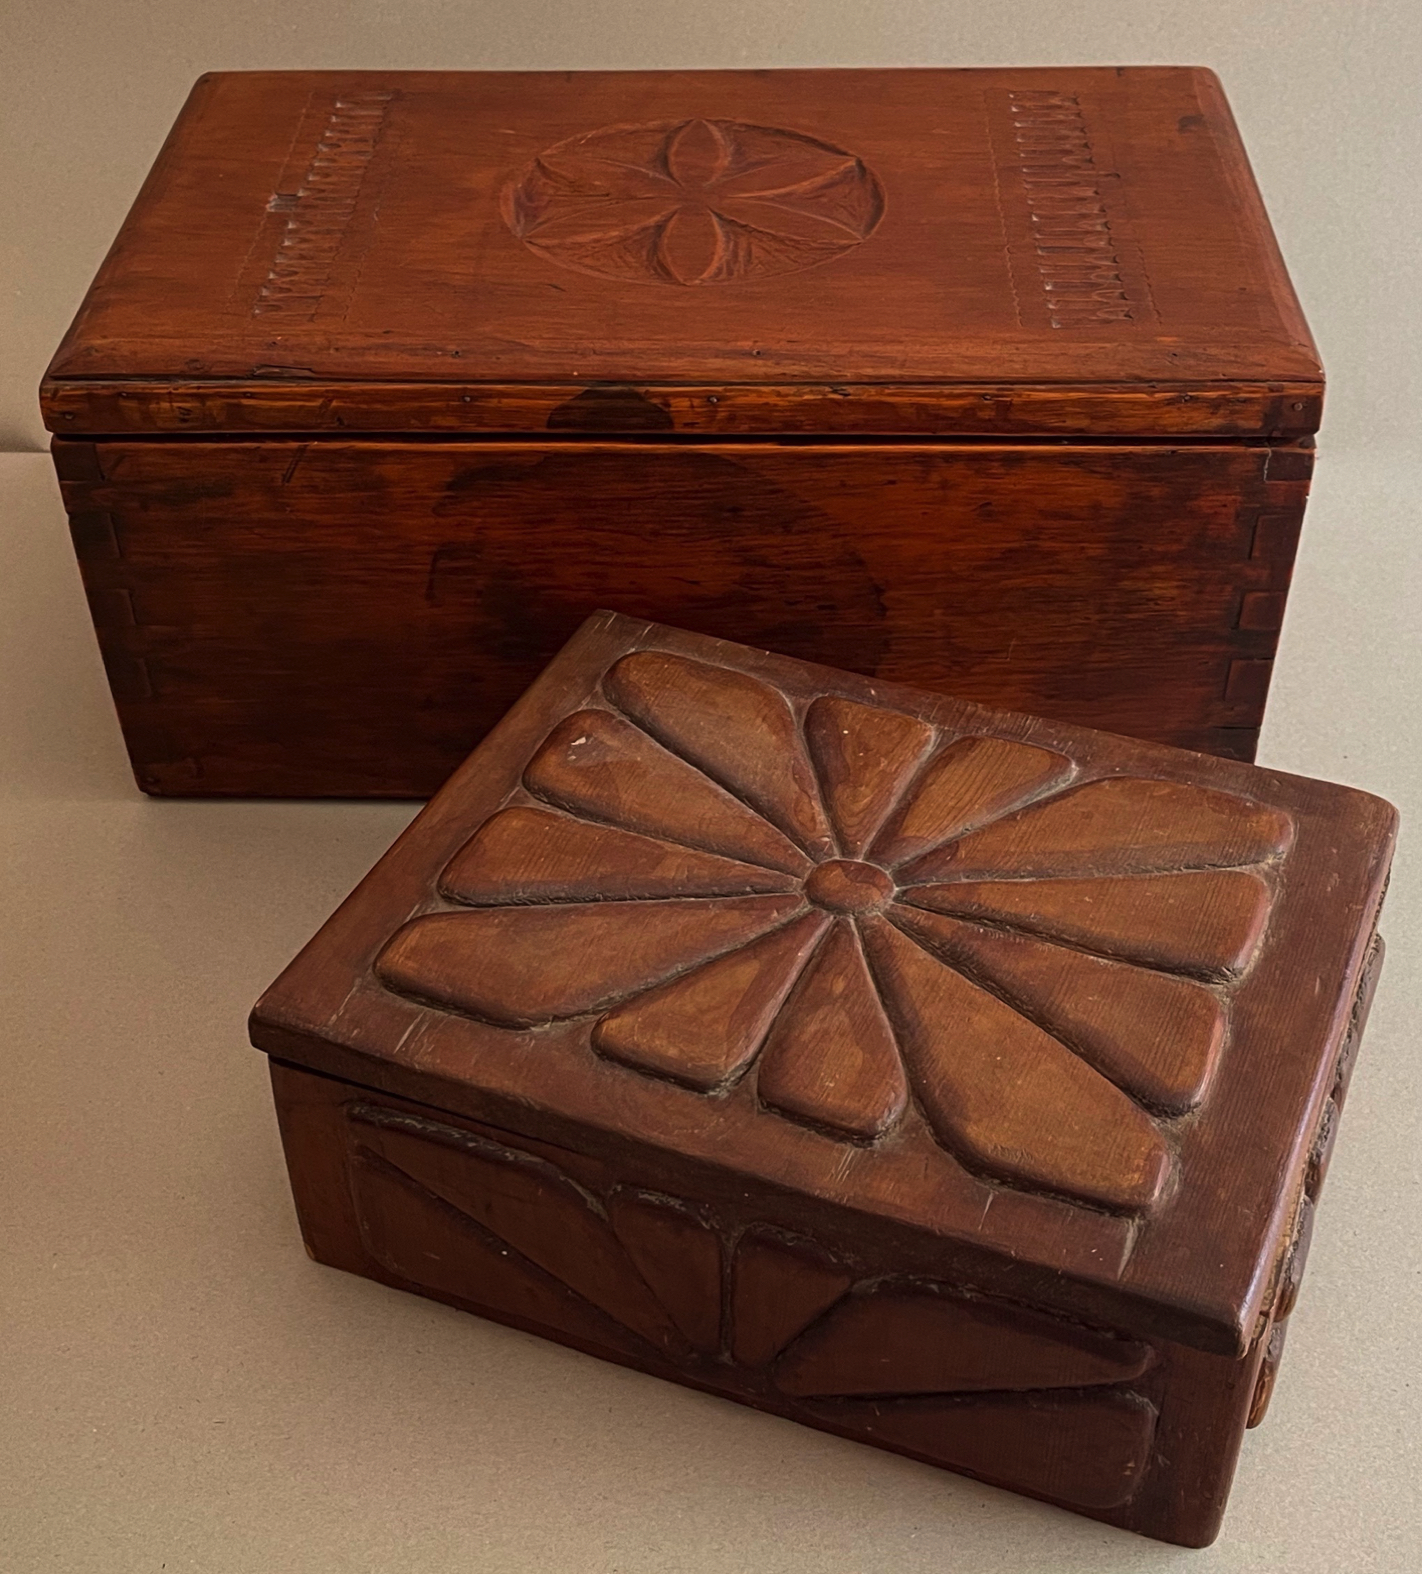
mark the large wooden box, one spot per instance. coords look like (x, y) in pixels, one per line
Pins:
(954, 1081)
(986, 380)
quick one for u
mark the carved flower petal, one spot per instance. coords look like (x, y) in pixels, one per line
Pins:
(598, 221)
(808, 225)
(831, 1058)
(597, 764)
(691, 247)
(760, 250)
(740, 732)
(843, 197)
(1207, 921)
(640, 151)
(613, 253)
(519, 966)
(697, 153)
(679, 1256)
(765, 160)
(1154, 1035)
(863, 756)
(909, 1342)
(1120, 825)
(967, 783)
(563, 181)
(704, 1026)
(522, 855)
(1003, 1095)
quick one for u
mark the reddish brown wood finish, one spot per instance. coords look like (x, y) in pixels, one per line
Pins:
(337, 618)
(1028, 328)
(676, 1028)
(791, 243)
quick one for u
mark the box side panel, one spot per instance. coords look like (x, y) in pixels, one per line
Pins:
(1294, 1258)
(348, 618)
(1138, 1434)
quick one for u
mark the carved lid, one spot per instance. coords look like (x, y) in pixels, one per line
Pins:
(985, 252)
(1064, 1004)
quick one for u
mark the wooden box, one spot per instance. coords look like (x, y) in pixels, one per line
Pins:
(986, 380)
(952, 1080)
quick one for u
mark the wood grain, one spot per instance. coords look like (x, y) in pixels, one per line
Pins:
(1039, 229)
(349, 618)
(946, 1181)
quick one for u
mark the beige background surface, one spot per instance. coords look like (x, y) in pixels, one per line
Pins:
(182, 1389)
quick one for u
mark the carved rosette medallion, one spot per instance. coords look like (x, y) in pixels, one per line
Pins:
(693, 202)
(874, 921)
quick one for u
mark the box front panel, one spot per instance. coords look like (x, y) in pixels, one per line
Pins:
(1139, 1433)
(348, 618)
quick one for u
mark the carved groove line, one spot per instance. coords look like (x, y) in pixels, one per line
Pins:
(1076, 255)
(321, 207)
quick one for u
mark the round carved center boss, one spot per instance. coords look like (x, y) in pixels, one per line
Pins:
(846, 886)
(693, 202)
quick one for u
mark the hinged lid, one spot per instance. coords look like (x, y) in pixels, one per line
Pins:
(1062, 1009)
(1053, 251)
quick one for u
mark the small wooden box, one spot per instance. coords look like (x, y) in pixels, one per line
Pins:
(991, 381)
(948, 1079)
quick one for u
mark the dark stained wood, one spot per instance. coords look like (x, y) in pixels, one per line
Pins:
(956, 1185)
(338, 618)
(779, 1288)
(1281, 411)
(894, 1342)
(1205, 922)
(680, 1257)
(987, 380)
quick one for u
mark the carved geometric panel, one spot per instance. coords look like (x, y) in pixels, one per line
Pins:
(693, 202)
(978, 1385)
(867, 920)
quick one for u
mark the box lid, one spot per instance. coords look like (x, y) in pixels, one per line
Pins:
(1053, 251)
(1061, 1008)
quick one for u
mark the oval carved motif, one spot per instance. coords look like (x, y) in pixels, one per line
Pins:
(693, 202)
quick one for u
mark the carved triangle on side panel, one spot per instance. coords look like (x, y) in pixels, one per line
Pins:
(540, 1213)
(910, 1342)
(598, 764)
(739, 731)
(777, 1290)
(523, 855)
(417, 1235)
(1086, 1450)
(680, 1258)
